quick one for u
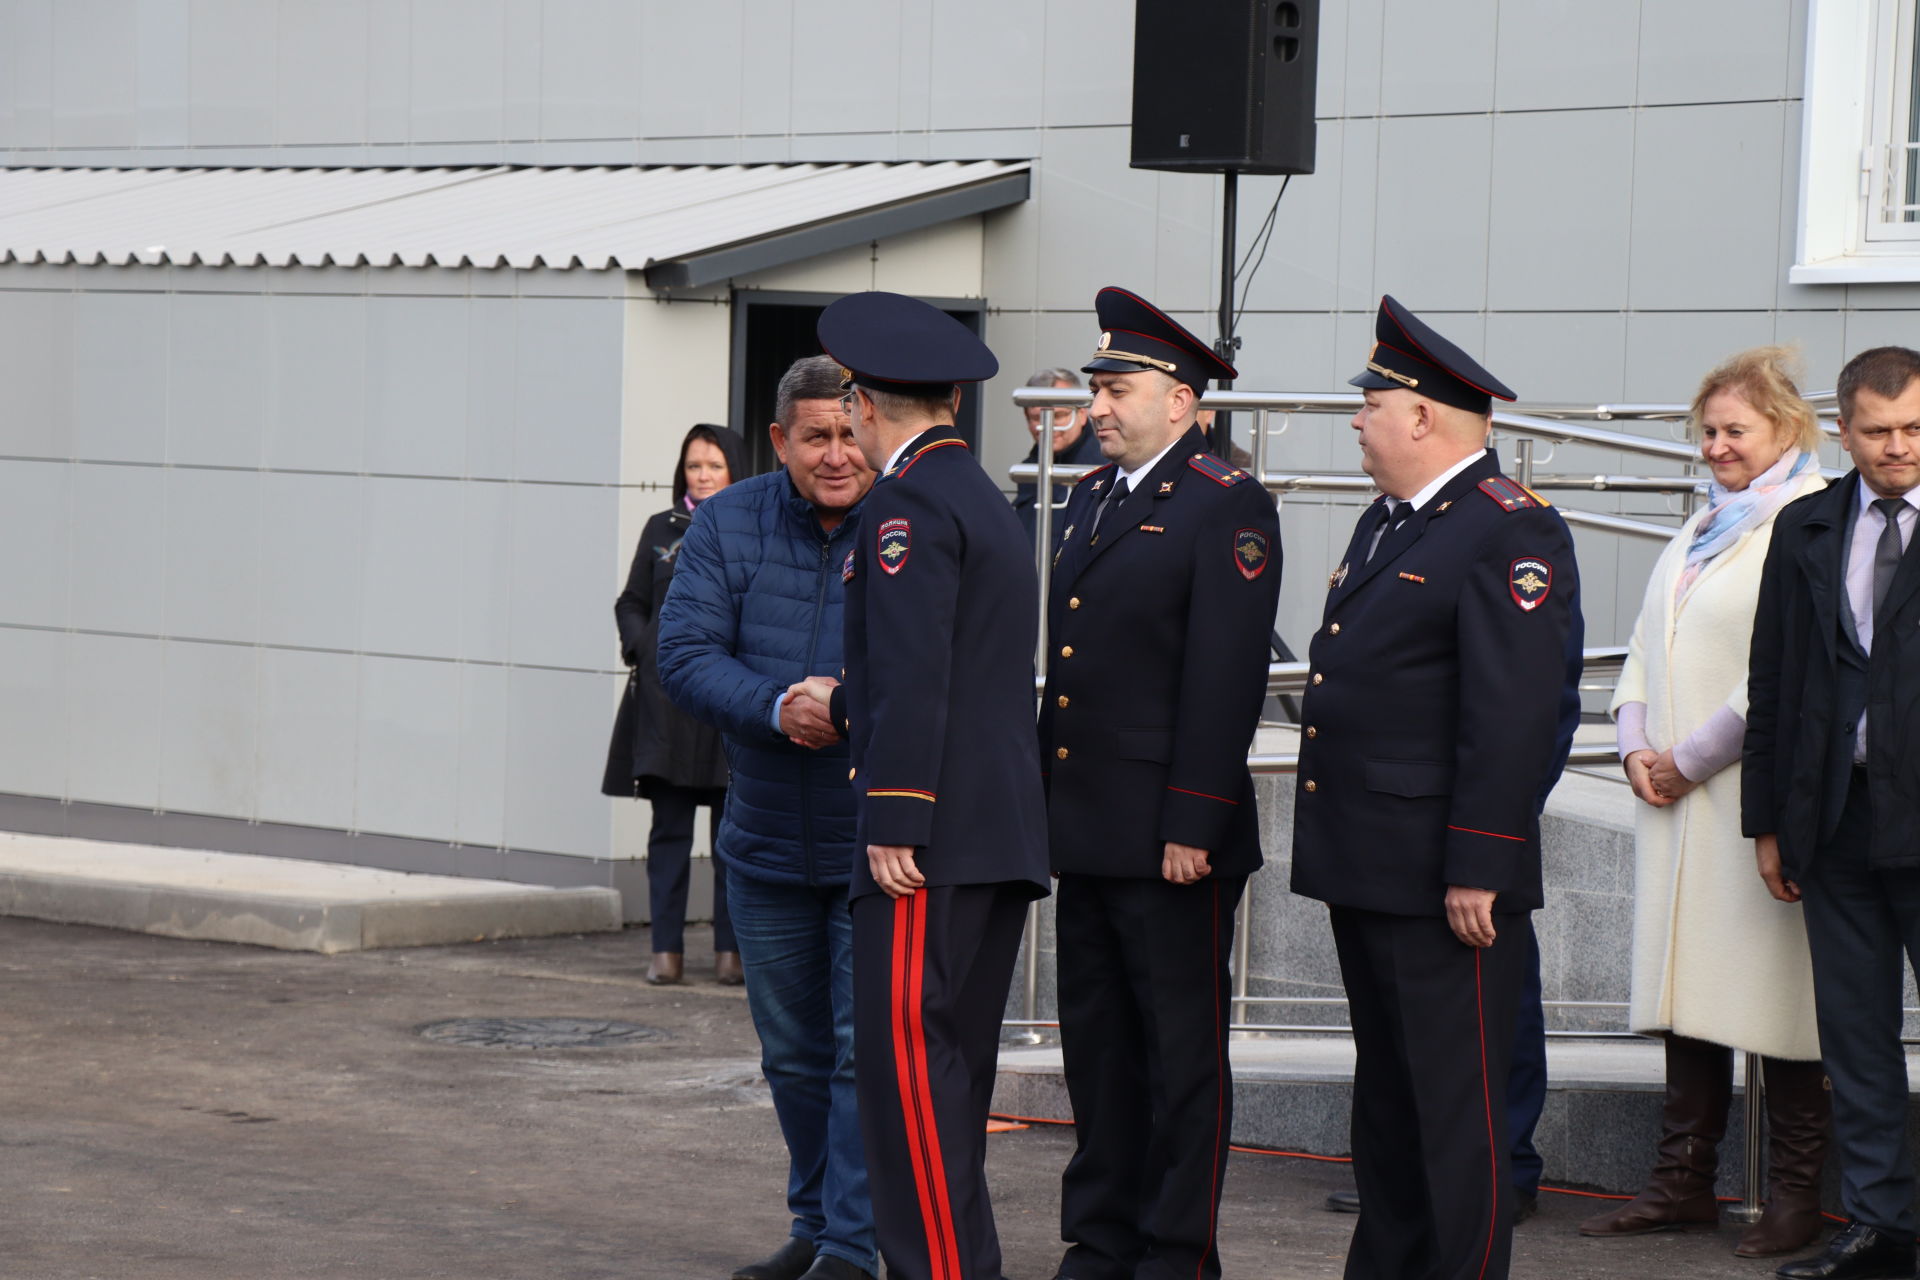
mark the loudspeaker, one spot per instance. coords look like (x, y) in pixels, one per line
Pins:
(1224, 85)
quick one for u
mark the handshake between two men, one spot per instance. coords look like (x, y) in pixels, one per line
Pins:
(807, 722)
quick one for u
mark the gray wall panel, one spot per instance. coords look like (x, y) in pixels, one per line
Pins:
(1706, 235)
(308, 728)
(217, 380)
(1556, 54)
(1683, 50)
(120, 376)
(417, 386)
(311, 562)
(409, 747)
(209, 723)
(34, 535)
(1417, 83)
(36, 368)
(321, 71)
(33, 706)
(212, 553)
(455, 74)
(317, 383)
(410, 545)
(113, 709)
(1558, 240)
(233, 60)
(557, 723)
(117, 535)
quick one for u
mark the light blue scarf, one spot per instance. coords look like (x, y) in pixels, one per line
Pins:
(1731, 513)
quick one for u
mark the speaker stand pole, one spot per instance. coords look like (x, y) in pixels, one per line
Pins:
(1221, 439)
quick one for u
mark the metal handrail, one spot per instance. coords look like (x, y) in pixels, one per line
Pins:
(1530, 422)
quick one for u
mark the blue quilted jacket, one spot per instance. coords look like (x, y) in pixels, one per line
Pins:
(755, 606)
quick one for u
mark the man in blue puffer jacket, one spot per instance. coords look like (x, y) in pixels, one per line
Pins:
(755, 608)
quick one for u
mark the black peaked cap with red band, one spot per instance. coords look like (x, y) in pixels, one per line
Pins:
(1135, 335)
(890, 342)
(1408, 354)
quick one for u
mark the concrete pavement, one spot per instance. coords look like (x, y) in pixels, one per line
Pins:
(181, 1110)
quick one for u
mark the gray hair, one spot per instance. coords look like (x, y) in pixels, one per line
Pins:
(1054, 377)
(809, 378)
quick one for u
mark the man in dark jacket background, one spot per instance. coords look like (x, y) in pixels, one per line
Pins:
(1830, 790)
(755, 607)
(1073, 446)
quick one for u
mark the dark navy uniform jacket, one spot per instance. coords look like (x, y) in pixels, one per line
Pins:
(1431, 722)
(941, 618)
(1157, 642)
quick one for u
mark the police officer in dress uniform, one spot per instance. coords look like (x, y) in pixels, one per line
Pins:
(1428, 738)
(941, 615)
(1161, 605)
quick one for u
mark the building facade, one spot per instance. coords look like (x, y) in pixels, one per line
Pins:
(317, 558)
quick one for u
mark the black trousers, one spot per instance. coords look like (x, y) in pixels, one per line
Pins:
(1433, 1033)
(1859, 921)
(669, 861)
(930, 975)
(1144, 1005)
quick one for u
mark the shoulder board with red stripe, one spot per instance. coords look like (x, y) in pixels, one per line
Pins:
(1214, 469)
(923, 452)
(1094, 474)
(1510, 494)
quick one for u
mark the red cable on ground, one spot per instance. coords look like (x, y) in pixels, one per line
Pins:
(1308, 1155)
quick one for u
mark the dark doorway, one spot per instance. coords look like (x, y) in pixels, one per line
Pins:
(772, 329)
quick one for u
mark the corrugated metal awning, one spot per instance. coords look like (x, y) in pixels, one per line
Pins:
(683, 225)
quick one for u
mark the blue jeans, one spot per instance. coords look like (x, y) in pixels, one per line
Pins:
(796, 943)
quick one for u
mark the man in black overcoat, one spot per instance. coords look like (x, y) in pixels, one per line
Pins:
(1830, 789)
(1159, 616)
(941, 622)
(1429, 734)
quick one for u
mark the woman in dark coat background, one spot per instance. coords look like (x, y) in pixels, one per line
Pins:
(659, 753)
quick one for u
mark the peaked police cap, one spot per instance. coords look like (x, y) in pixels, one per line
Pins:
(1136, 335)
(1408, 353)
(890, 342)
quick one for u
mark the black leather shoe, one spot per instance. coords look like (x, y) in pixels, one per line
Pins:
(789, 1262)
(1343, 1202)
(1524, 1207)
(1858, 1253)
(833, 1267)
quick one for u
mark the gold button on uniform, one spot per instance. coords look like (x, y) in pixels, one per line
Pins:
(1073, 602)
(1063, 700)
(1334, 630)
(1317, 677)
(850, 774)
(1312, 732)
(1311, 785)
(1062, 753)
(1066, 651)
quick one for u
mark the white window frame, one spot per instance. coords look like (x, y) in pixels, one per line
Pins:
(1858, 80)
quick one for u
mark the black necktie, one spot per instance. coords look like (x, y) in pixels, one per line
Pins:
(1115, 496)
(1396, 516)
(1886, 553)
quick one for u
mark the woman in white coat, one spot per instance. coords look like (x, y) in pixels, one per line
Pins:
(1718, 964)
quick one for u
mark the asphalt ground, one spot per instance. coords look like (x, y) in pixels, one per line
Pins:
(177, 1110)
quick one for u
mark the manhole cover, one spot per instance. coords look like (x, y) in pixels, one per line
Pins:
(540, 1033)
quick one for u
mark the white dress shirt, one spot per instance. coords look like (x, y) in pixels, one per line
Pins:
(1423, 497)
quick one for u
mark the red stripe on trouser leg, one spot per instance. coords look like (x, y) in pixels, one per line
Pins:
(1219, 1097)
(1486, 1097)
(903, 1057)
(946, 1258)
